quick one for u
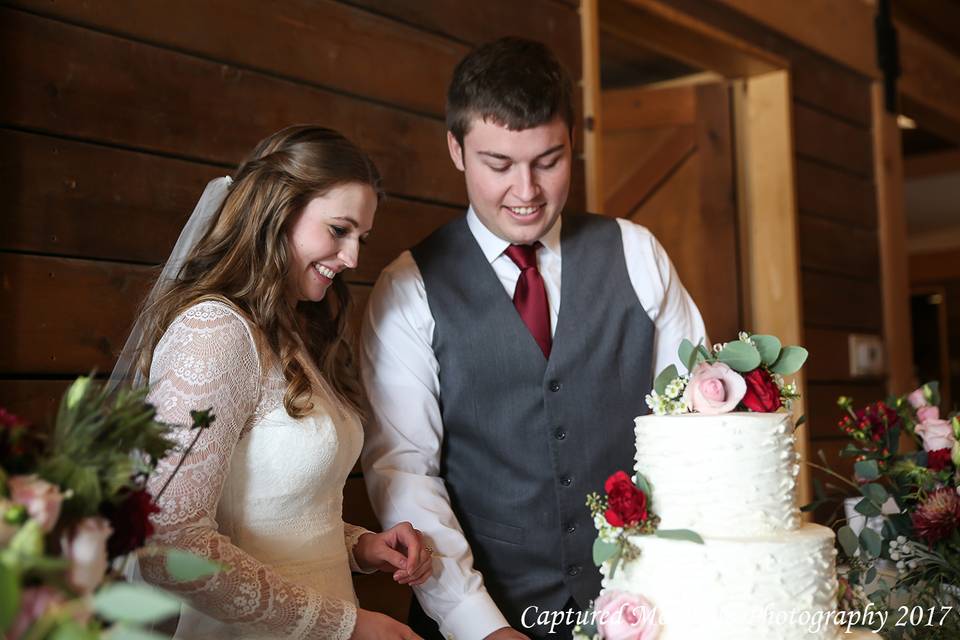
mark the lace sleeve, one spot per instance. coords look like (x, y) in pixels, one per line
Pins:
(207, 358)
(351, 534)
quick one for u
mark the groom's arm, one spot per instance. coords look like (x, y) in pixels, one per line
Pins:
(401, 457)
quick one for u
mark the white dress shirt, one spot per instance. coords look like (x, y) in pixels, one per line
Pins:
(401, 456)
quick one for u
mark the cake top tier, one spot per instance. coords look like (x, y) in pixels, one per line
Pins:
(732, 475)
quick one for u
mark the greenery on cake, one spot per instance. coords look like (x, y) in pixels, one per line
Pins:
(624, 512)
(901, 541)
(742, 375)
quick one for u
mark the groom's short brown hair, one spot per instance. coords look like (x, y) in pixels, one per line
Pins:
(512, 82)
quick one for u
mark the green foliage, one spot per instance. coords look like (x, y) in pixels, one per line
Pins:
(769, 348)
(679, 534)
(790, 360)
(871, 542)
(9, 595)
(139, 604)
(662, 380)
(642, 483)
(603, 551)
(95, 433)
(867, 469)
(848, 540)
(740, 356)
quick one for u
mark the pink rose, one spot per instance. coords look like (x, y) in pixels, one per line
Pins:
(626, 616)
(86, 549)
(926, 414)
(714, 389)
(936, 434)
(41, 499)
(917, 398)
(34, 602)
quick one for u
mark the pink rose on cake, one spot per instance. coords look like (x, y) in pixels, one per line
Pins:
(714, 389)
(626, 616)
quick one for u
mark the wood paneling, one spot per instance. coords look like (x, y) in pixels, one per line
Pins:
(171, 103)
(832, 193)
(828, 246)
(832, 89)
(829, 140)
(35, 401)
(629, 108)
(321, 42)
(67, 193)
(938, 266)
(837, 301)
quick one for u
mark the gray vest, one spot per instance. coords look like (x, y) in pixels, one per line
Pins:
(526, 438)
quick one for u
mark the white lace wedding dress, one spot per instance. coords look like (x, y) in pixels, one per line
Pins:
(260, 492)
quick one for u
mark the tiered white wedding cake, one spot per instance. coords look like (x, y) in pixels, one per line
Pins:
(760, 572)
(706, 539)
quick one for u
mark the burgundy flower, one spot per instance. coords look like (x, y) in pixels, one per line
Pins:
(131, 524)
(626, 504)
(938, 516)
(871, 424)
(938, 460)
(763, 394)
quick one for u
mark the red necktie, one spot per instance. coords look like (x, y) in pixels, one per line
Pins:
(530, 296)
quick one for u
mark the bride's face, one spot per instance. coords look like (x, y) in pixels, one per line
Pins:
(325, 238)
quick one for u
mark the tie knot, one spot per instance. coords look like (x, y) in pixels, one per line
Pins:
(524, 255)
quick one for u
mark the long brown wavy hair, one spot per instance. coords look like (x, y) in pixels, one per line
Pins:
(244, 259)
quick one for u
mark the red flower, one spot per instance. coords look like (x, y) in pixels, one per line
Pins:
(763, 394)
(871, 425)
(131, 524)
(939, 459)
(626, 504)
(938, 516)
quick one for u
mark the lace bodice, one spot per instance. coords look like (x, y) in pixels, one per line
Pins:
(260, 492)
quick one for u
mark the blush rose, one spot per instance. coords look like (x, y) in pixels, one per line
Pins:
(714, 389)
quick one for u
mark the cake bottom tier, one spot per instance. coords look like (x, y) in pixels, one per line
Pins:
(783, 587)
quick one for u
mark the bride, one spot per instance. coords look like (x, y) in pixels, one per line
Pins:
(249, 319)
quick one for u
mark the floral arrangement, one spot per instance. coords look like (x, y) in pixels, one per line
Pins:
(901, 539)
(75, 502)
(745, 374)
(620, 514)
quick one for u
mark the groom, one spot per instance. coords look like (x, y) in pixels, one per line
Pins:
(505, 359)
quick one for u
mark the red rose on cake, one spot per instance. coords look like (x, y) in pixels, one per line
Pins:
(626, 504)
(763, 394)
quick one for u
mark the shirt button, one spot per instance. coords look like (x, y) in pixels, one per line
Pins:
(566, 481)
(573, 570)
(554, 386)
(560, 434)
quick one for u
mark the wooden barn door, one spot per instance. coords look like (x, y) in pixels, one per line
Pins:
(668, 165)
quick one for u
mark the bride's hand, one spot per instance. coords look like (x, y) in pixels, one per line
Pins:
(376, 626)
(399, 550)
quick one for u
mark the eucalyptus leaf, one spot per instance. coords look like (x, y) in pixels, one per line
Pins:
(71, 630)
(667, 375)
(871, 541)
(184, 566)
(9, 595)
(800, 421)
(643, 484)
(877, 494)
(871, 575)
(848, 540)
(686, 353)
(868, 508)
(790, 360)
(603, 551)
(740, 356)
(137, 604)
(704, 354)
(124, 632)
(679, 534)
(867, 469)
(769, 348)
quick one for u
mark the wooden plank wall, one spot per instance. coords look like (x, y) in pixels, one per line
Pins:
(116, 114)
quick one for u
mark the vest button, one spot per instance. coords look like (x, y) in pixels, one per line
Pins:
(571, 528)
(554, 386)
(559, 434)
(566, 481)
(573, 570)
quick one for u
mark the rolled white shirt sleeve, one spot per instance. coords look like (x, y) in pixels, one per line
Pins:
(662, 295)
(401, 456)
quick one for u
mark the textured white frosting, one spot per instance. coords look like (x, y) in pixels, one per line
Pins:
(736, 588)
(730, 475)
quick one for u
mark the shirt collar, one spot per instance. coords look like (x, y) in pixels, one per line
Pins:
(493, 246)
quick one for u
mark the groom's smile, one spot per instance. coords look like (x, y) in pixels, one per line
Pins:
(517, 181)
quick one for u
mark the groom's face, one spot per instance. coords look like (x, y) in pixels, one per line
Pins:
(517, 181)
